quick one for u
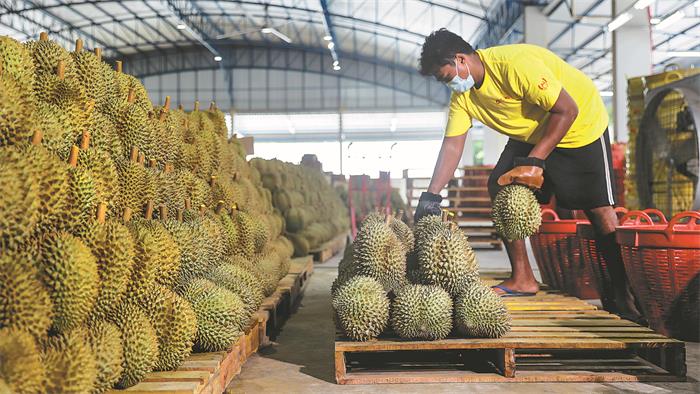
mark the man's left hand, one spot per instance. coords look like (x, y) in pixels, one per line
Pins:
(527, 171)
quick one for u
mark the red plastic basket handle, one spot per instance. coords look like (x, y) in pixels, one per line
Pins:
(655, 212)
(550, 212)
(674, 220)
(636, 218)
(620, 212)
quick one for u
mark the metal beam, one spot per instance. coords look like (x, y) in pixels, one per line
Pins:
(330, 30)
(198, 23)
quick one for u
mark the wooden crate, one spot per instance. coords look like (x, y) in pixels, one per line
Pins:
(555, 338)
(329, 249)
(208, 373)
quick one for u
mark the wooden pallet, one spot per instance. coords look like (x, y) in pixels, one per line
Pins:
(208, 373)
(555, 338)
(329, 249)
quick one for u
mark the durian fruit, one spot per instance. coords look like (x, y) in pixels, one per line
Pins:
(57, 89)
(139, 341)
(70, 363)
(240, 281)
(47, 55)
(422, 312)
(246, 226)
(171, 193)
(195, 188)
(132, 182)
(17, 62)
(131, 122)
(361, 308)
(127, 85)
(268, 268)
(378, 253)
(24, 302)
(69, 271)
(20, 362)
(516, 213)
(104, 135)
(114, 249)
(175, 324)
(16, 107)
(87, 67)
(190, 239)
(444, 255)
(19, 214)
(230, 233)
(105, 342)
(82, 195)
(221, 315)
(402, 231)
(157, 258)
(104, 173)
(481, 313)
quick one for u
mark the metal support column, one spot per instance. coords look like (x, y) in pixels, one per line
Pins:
(340, 139)
(535, 26)
(631, 58)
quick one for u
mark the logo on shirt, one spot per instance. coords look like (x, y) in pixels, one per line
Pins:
(544, 84)
(500, 101)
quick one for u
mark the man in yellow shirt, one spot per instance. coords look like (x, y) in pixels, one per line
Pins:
(559, 143)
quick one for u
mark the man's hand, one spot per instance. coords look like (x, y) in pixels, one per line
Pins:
(428, 204)
(527, 171)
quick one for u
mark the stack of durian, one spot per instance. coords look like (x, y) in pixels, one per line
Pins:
(313, 212)
(130, 235)
(418, 285)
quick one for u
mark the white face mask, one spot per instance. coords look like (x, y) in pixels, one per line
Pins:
(459, 84)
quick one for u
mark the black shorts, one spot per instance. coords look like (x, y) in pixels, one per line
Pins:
(580, 178)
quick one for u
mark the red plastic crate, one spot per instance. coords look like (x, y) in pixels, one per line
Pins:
(596, 262)
(663, 263)
(557, 250)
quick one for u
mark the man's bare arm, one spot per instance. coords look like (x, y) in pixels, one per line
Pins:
(562, 116)
(447, 162)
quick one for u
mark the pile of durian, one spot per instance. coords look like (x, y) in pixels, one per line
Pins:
(313, 212)
(130, 235)
(420, 284)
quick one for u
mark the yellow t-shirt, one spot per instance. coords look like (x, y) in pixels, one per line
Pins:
(521, 84)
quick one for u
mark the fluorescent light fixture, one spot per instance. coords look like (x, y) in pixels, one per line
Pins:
(336, 68)
(690, 54)
(218, 58)
(276, 33)
(654, 21)
(181, 26)
(675, 17)
(331, 45)
(335, 63)
(328, 37)
(642, 4)
(606, 93)
(619, 21)
(266, 30)
(394, 123)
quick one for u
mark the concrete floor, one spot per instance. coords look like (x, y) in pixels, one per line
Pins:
(301, 361)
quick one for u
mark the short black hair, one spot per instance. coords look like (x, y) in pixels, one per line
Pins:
(440, 48)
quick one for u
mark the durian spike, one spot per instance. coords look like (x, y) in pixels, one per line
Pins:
(142, 158)
(101, 212)
(163, 113)
(119, 66)
(149, 210)
(219, 207)
(134, 155)
(163, 212)
(126, 216)
(78, 45)
(180, 107)
(85, 140)
(202, 209)
(61, 70)
(166, 105)
(132, 96)
(212, 180)
(212, 106)
(188, 203)
(445, 215)
(152, 163)
(196, 106)
(388, 218)
(37, 137)
(43, 36)
(98, 54)
(167, 168)
(179, 214)
(73, 157)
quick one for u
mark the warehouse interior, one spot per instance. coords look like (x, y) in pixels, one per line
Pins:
(209, 196)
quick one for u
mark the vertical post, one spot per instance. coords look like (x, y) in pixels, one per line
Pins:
(535, 28)
(340, 138)
(630, 41)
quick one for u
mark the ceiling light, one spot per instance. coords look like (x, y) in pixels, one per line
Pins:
(606, 93)
(335, 62)
(266, 30)
(328, 37)
(336, 68)
(181, 26)
(218, 58)
(675, 17)
(654, 21)
(642, 4)
(619, 21)
(692, 54)
(331, 45)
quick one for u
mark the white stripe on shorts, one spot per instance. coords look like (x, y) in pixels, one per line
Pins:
(608, 183)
